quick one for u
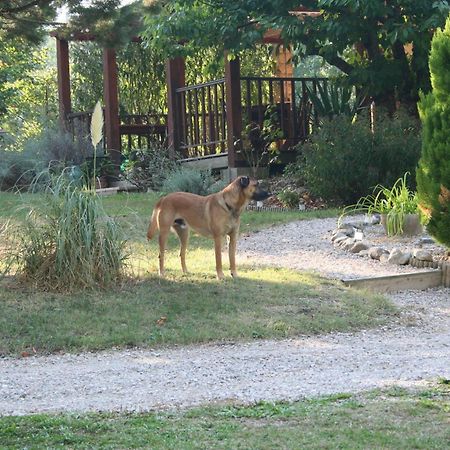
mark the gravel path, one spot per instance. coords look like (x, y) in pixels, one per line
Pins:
(142, 380)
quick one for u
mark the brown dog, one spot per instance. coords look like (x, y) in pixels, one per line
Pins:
(215, 215)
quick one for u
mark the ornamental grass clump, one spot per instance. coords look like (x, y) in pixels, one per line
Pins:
(395, 203)
(68, 242)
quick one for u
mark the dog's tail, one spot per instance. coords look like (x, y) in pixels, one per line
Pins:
(153, 226)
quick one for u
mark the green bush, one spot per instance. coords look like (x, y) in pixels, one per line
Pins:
(184, 179)
(147, 168)
(68, 242)
(53, 148)
(288, 198)
(433, 173)
(344, 159)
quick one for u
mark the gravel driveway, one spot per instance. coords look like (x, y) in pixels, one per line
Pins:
(408, 353)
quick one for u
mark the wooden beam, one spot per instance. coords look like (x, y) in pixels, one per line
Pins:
(175, 78)
(233, 109)
(62, 63)
(399, 282)
(112, 125)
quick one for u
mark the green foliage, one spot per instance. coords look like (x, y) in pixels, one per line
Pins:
(28, 92)
(147, 168)
(288, 198)
(395, 202)
(52, 148)
(259, 142)
(433, 173)
(345, 159)
(334, 99)
(68, 242)
(365, 40)
(184, 179)
(109, 21)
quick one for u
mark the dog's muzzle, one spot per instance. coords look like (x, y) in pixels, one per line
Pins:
(260, 195)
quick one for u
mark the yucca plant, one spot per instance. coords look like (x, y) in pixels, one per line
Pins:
(330, 100)
(68, 242)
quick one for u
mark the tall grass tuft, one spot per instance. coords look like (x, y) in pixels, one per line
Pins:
(69, 242)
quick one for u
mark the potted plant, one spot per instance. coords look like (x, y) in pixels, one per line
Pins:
(397, 206)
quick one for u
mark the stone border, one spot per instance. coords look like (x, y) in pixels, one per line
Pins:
(349, 237)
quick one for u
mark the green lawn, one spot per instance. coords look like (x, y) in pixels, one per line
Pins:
(392, 419)
(146, 311)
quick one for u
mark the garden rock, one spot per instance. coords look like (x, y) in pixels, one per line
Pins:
(348, 230)
(348, 243)
(422, 255)
(384, 258)
(376, 252)
(397, 256)
(358, 246)
(338, 237)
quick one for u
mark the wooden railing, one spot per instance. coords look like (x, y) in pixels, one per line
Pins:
(136, 130)
(284, 101)
(140, 130)
(203, 111)
(203, 122)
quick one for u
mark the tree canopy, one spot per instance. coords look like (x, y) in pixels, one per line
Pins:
(107, 20)
(381, 45)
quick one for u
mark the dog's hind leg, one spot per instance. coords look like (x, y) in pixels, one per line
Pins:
(182, 231)
(163, 235)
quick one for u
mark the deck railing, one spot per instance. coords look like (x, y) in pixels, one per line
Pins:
(203, 122)
(136, 130)
(286, 100)
(203, 118)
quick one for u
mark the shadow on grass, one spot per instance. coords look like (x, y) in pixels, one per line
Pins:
(263, 303)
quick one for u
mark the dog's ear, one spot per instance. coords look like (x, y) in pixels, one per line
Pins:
(244, 181)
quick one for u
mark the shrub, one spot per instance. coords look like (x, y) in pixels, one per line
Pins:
(344, 159)
(288, 198)
(433, 173)
(184, 179)
(52, 148)
(148, 168)
(68, 242)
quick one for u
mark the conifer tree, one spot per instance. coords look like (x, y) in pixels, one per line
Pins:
(433, 173)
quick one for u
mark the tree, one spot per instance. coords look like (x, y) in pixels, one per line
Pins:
(105, 19)
(380, 45)
(433, 173)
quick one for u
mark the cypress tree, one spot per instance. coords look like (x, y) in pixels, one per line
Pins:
(433, 173)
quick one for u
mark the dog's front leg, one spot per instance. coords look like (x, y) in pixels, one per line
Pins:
(218, 251)
(232, 253)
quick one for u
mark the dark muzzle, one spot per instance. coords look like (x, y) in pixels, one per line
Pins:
(260, 194)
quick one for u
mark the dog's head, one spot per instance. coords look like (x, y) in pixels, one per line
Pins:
(251, 188)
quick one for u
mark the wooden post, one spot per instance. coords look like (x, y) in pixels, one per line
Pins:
(175, 78)
(62, 62)
(112, 125)
(233, 110)
(446, 274)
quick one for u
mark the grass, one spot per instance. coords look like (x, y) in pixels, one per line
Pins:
(390, 419)
(146, 311)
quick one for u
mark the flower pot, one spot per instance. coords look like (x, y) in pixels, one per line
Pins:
(411, 224)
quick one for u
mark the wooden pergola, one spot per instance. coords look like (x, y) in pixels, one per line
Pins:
(210, 127)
